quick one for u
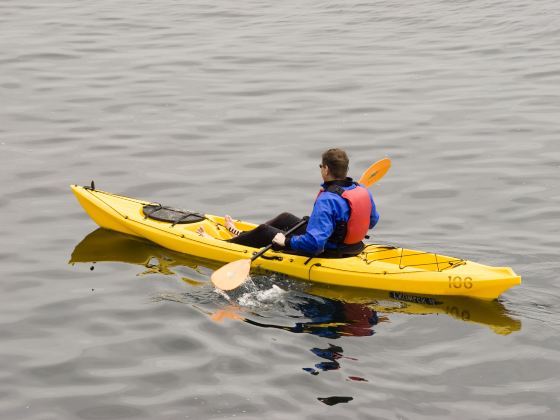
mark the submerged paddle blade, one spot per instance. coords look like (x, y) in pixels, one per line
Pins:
(220, 315)
(375, 172)
(231, 275)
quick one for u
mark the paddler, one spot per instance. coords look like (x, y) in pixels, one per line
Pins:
(343, 213)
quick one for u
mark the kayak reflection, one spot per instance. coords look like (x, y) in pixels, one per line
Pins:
(104, 245)
(340, 312)
(491, 314)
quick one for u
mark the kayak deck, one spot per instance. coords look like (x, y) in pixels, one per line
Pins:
(378, 267)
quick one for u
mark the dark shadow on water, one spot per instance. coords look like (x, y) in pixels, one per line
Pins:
(335, 400)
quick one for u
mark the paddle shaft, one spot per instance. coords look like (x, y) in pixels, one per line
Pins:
(266, 248)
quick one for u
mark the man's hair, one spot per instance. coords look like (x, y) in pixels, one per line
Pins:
(337, 161)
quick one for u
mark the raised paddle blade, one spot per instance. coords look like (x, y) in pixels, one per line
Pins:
(375, 172)
(231, 275)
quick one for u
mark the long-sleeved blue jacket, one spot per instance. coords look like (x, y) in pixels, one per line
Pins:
(329, 209)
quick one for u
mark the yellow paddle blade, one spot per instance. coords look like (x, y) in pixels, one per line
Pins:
(375, 172)
(231, 275)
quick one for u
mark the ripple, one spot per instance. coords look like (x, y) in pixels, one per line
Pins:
(434, 193)
(108, 412)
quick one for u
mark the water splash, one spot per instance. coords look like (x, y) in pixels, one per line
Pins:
(258, 298)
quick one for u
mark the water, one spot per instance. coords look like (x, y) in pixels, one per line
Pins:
(226, 107)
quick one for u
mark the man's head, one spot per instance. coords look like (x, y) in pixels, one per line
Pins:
(334, 164)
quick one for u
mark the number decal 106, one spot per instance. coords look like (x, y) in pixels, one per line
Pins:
(457, 282)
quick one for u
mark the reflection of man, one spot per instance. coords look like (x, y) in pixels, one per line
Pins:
(361, 320)
(333, 319)
(332, 354)
(330, 319)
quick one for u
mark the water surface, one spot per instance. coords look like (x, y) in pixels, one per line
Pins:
(225, 107)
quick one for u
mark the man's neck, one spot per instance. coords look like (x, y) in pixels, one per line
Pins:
(338, 181)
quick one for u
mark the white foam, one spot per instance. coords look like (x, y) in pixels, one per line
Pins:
(260, 297)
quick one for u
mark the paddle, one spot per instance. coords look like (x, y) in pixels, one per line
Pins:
(235, 273)
(375, 172)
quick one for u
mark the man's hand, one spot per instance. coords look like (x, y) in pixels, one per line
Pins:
(279, 239)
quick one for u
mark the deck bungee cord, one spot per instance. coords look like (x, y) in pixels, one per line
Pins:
(452, 263)
(146, 203)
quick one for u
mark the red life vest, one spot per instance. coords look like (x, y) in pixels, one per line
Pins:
(357, 226)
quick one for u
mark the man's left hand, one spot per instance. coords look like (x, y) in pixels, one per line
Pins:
(279, 239)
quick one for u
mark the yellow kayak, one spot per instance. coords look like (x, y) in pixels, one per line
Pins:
(378, 267)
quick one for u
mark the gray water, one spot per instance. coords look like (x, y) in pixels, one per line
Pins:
(225, 107)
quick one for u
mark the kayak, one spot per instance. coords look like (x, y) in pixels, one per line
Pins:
(377, 267)
(104, 245)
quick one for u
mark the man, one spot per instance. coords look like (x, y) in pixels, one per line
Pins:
(342, 214)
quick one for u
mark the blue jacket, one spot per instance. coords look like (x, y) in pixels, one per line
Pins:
(329, 209)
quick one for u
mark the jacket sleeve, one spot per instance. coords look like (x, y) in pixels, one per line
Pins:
(374, 218)
(319, 229)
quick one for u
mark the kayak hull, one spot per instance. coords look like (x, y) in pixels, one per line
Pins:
(378, 267)
(102, 245)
